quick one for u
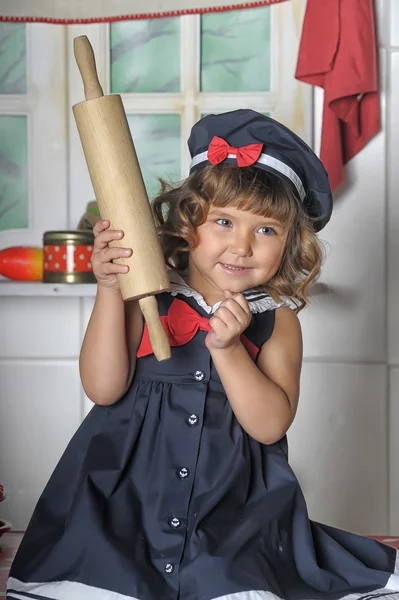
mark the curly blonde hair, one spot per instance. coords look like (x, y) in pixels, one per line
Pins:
(180, 210)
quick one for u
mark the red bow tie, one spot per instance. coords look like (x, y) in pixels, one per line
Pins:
(246, 155)
(181, 324)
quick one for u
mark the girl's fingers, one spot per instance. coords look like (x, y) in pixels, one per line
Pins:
(228, 318)
(217, 324)
(238, 299)
(103, 254)
(100, 226)
(109, 254)
(113, 268)
(235, 309)
(103, 238)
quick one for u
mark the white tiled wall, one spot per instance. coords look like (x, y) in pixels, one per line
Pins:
(343, 444)
(394, 448)
(351, 314)
(393, 19)
(392, 245)
(338, 445)
(393, 207)
(393, 259)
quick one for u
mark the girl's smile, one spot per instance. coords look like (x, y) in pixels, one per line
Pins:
(235, 270)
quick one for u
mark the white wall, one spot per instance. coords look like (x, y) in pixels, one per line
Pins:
(340, 444)
(392, 245)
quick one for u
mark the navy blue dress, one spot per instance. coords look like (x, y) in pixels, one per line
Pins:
(163, 496)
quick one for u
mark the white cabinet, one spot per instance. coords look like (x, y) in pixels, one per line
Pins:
(40, 410)
(39, 327)
(42, 402)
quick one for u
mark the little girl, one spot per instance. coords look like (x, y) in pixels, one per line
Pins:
(177, 485)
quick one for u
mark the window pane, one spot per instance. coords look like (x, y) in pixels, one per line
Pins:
(157, 142)
(13, 172)
(235, 51)
(12, 58)
(145, 56)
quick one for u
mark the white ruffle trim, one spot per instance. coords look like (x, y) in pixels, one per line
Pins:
(261, 303)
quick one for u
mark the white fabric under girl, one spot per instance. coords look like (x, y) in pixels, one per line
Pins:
(60, 590)
(65, 590)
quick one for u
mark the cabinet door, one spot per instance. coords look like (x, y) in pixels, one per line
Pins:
(40, 405)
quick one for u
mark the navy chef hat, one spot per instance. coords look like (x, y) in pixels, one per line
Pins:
(248, 138)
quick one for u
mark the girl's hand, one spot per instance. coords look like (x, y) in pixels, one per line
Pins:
(104, 269)
(229, 321)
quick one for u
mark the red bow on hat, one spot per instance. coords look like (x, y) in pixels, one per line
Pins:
(181, 324)
(246, 155)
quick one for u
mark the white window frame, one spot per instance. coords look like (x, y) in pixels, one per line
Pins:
(288, 100)
(44, 105)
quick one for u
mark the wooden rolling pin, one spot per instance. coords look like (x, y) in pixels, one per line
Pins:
(120, 193)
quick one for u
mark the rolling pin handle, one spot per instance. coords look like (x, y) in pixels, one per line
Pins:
(86, 62)
(158, 338)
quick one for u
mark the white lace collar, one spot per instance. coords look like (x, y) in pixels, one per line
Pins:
(258, 300)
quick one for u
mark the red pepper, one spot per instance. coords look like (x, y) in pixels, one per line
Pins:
(22, 263)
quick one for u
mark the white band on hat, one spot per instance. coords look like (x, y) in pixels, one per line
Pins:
(264, 159)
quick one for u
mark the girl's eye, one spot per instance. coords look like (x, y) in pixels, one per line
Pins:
(224, 222)
(267, 230)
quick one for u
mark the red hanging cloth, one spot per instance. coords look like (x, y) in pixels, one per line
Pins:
(338, 53)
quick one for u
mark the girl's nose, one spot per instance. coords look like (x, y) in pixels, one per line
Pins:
(241, 245)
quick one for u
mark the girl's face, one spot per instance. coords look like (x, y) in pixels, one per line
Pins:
(236, 250)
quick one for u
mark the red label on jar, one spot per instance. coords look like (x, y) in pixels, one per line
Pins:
(67, 258)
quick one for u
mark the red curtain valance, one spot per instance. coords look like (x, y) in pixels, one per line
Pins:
(98, 11)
